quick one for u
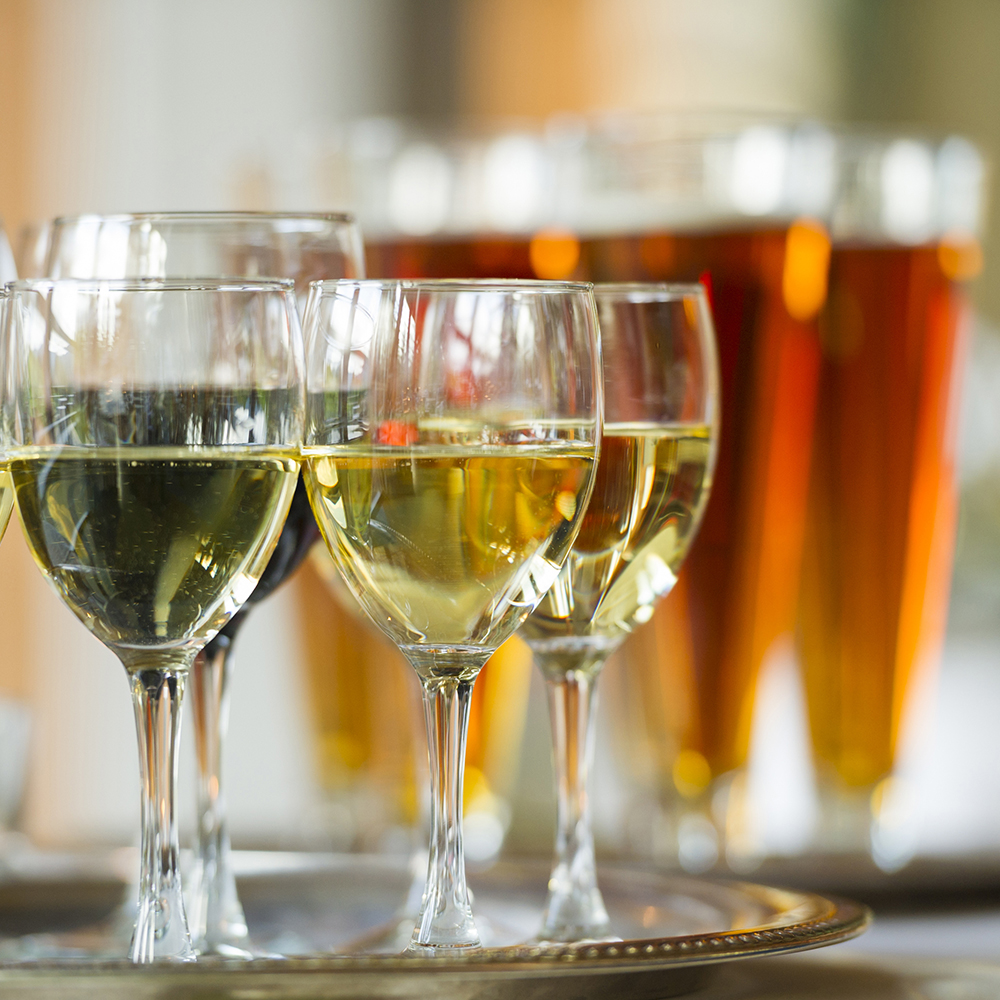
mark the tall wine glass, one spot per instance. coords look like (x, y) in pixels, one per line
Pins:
(301, 246)
(655, 469)
(155, 428)
(452, 431)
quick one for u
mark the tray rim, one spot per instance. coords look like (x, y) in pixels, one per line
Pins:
(828, 920)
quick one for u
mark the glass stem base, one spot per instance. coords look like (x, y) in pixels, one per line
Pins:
(161, 928)
(217, 921)
(575, 909)
(445, 923)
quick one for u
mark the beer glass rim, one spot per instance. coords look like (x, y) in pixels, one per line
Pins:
(648, 291)
(341, 218)
(153, 284)
(456, 285)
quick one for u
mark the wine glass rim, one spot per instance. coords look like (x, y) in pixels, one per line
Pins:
(154, 284)
(458, 284)
(342, 218)
(648, 291)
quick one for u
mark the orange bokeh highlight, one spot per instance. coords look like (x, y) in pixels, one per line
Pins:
(554, 254)
(806, 269)
(960, 257)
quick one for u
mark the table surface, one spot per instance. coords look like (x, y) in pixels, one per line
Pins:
(903, 956)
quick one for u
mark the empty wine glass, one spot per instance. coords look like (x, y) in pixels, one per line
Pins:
(31, 250)
(452, 432)
(300, 246)
(154, 430)
(8, 268)
(653, 478)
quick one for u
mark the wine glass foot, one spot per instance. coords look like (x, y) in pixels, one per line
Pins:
(543, 940)
(231, 951)
(444, 930)
(440, 950)
(575, 919)
(575, 935)
(161, 937)
(229, 939)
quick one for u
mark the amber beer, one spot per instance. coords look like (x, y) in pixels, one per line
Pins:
(365, 714)
(688, 691)
(880, 526)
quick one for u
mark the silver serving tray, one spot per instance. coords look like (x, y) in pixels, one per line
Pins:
(331, 914)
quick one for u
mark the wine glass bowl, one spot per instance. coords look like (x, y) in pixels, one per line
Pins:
(652, 483)
(452, 429)
(154, 429)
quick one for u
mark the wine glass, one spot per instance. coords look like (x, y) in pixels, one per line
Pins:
(32, 249)
(452, 431)
(154, 430)
(6, 488)
(655, 470)
(301, 246)
(8, 268)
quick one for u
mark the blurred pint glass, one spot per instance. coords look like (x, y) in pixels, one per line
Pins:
(881, 519)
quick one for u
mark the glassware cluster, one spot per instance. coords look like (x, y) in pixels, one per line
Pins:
(836, 259)
(449, 434)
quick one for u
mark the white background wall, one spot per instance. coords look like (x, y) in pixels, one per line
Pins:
(141, 105)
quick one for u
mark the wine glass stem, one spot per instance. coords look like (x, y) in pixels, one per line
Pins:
(218, 923)
(575, 909)
(445, 920)
(161, 929)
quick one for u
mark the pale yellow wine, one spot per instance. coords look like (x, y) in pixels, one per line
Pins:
(651, 485)
(449, 545)
(153, 547)
(6, 498)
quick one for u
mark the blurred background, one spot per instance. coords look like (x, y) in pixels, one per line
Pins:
(110, 105)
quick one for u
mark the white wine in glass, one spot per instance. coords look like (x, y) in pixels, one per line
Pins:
(185, 528)
(154, 432)
(6, 499)
(652, 483)
(302, 246)
(452, 431)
